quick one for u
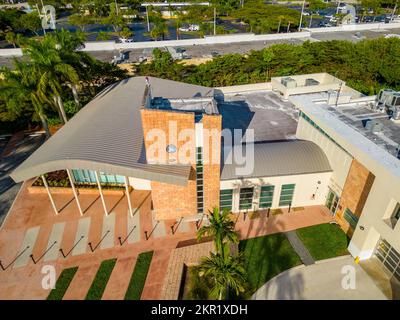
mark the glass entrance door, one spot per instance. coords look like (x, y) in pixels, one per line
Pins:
(332, 202)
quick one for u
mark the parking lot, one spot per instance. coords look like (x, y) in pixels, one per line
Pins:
(199, 51)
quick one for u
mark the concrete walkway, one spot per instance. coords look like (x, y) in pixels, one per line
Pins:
(320, 281)
(299, 247)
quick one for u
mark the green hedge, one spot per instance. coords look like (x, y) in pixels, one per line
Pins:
(138, 278)
(101, 279)
(62, 284)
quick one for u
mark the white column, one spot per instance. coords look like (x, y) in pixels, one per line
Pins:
(128, 197)
(74, 191)
(49, 194)
(101, 192)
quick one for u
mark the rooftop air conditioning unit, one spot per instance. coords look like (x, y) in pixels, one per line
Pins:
(382, 98)
(289, 82)
(374, 126)
(311, 82)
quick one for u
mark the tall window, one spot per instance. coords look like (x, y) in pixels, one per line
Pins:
(266, 195)
(199, 179)
(286, 197)
(395, 217)
(246, 198)
(225, 199)
(396, 213)
(350, 217)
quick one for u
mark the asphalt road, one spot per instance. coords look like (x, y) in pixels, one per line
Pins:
(8, 188)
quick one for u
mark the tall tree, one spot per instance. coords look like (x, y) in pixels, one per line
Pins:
(221, 228)
(52, 69)
(225, 272)
(20, 91)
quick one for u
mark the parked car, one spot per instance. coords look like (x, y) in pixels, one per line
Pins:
(125, 40)
(392, 35)
(191, 27)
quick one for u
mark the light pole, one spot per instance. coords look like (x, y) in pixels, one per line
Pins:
(301, 16)
(116, 7)
(215, 21)
(337, 8)
(394, 11)
(288, 27)
(310, 25)
(148, 22)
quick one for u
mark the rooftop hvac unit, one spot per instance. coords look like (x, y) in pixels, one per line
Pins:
(382, 98)
(289, 82)
(311, 82)
(374, 126)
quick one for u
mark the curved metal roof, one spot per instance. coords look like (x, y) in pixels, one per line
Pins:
(281, 159)
(107, 135)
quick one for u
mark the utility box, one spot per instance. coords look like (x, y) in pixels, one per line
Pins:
(289, 82)
(312, 82)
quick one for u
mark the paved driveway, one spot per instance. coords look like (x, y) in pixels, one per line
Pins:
(322, 281)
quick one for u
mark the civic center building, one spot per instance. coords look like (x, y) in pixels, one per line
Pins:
(314, 141)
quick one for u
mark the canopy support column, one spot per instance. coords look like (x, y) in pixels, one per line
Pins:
(101, 192)
(74, 191)
(128, 196)
(49, 194)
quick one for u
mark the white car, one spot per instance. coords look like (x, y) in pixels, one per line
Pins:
(191, 27)
(392, 35)
(125, 40)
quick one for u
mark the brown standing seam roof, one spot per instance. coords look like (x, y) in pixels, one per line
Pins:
(107, 135)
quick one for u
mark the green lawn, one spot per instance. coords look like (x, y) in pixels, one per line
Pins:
(138, 277)
(324, 241)
(100, 281)
(62, 284)
(266, 257)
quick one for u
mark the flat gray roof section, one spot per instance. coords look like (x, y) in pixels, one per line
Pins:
(282, 159)
(263, 111)
(107, 135)
(339, 125)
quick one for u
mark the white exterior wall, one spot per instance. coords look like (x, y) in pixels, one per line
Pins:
(306, 186)
(140, 184)
(380, 204)
(382, 198)
(339, 159)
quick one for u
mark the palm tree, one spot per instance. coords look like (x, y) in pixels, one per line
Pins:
(66, 44)
(53, 71)
(221, 227)
(225, 272)
(179, 18)
(20, 90)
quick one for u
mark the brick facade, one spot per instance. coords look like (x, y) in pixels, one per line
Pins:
(355, 193)
(212, 153)
(171, 201)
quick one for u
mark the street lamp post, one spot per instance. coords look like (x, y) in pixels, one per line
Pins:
(393, 13)
(301, 16)
(147, 16)
(215, 21)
